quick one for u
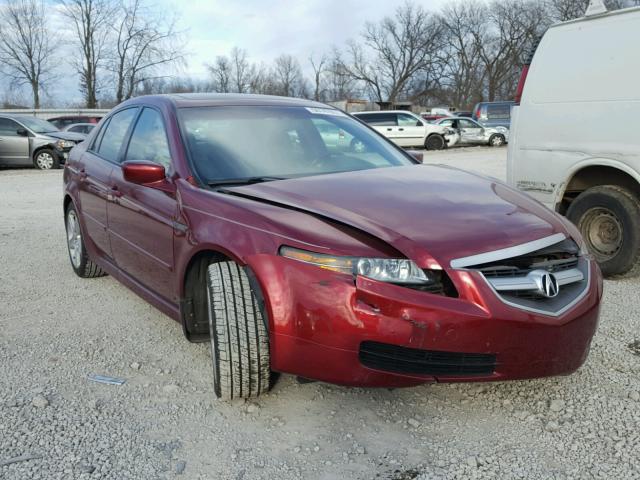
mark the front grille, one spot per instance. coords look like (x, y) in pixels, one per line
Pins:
(394, 358)
(513, 278)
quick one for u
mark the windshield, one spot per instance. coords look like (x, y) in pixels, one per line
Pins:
(248, 142)
(37, 125)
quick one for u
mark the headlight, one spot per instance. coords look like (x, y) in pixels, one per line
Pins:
(65, 144)
(391, 270)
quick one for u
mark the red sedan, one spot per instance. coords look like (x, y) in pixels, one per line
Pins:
(299, 240)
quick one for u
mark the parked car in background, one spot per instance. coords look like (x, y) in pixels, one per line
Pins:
(292, 255)
(83, 128)
(26, 140)
(407, 129)
(472, 133)
(493, 114)
(464, 113)
(562, 151)
(66, 120)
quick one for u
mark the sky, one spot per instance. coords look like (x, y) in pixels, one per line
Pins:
(265, 29)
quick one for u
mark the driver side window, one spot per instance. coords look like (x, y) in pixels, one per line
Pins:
(149, 140)
(8, 128)
(405, 120)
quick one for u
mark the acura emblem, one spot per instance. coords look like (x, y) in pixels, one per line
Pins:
(546, 283)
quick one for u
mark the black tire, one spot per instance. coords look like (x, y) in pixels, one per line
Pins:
(497, 140)
(239, 337)
(80, 261)
(46, 159)
(435, 142)
(608, 218)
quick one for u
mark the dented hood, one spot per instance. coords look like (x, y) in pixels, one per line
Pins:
(430, 213)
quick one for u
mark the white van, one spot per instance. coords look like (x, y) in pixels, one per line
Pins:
(575, 135)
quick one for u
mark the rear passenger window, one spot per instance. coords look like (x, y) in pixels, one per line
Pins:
(115, 133)
(149, 140)
(380, 119)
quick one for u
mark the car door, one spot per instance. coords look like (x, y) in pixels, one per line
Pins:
(411, 131)
(14, 148)
(141, 218)
(470, 132)
(95, 169)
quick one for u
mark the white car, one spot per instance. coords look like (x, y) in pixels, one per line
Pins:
(472, 133)
(574, 144)
(406, 129)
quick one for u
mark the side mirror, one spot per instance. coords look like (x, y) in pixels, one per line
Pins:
(418, 155)
(22, 132)
(148, 174)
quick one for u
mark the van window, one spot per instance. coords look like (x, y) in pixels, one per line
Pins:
(498, 110)
(405, 120)
(380, 119)
(8, 128)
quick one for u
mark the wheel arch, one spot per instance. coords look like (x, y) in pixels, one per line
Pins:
(589, 175)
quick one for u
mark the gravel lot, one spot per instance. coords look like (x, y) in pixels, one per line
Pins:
(55, 329)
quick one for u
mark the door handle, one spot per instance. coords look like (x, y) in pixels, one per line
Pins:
(82, 174)
(401, 129)
(389, 129)
(115, 191)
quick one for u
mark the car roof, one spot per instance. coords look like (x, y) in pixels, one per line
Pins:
(17, 117)
(185, 100)
(383, 111)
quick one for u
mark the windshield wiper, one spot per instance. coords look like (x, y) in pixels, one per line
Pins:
(241, 181)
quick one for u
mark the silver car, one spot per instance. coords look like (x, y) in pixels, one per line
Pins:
(471, 132)
(26, 140)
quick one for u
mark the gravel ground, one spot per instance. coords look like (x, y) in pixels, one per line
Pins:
(56, 328)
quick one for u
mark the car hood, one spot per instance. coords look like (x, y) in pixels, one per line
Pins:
(431, 213)
(71, 136)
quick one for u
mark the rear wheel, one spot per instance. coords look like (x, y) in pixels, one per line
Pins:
(80, 261)
(239, 337)
(434, 142)
(46, 159)
(608, 218)
(496, 140)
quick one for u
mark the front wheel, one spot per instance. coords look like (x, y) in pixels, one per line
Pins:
(239, 338)
(435, 142)
(608, 218)
(46, 159)
(497, 140)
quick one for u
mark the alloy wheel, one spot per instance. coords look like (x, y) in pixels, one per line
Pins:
(74, 239)
(44, 160)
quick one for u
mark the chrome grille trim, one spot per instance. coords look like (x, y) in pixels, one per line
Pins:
(555, 313)
(508, 252)
(524, 282)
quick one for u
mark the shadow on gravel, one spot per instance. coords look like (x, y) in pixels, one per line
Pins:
(635, 347)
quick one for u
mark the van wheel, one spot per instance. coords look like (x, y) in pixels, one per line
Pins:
(608, 218)
(46, 159)
(239, 338)
(434, 142)
(496, 140)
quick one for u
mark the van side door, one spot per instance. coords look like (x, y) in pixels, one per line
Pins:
(14, 148)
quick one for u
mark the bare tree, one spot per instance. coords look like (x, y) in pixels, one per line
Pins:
(319, 67)
(27, 45)
(221, 73)
(92, 21)
(394, 51)
(144, 43)
(287, 77)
